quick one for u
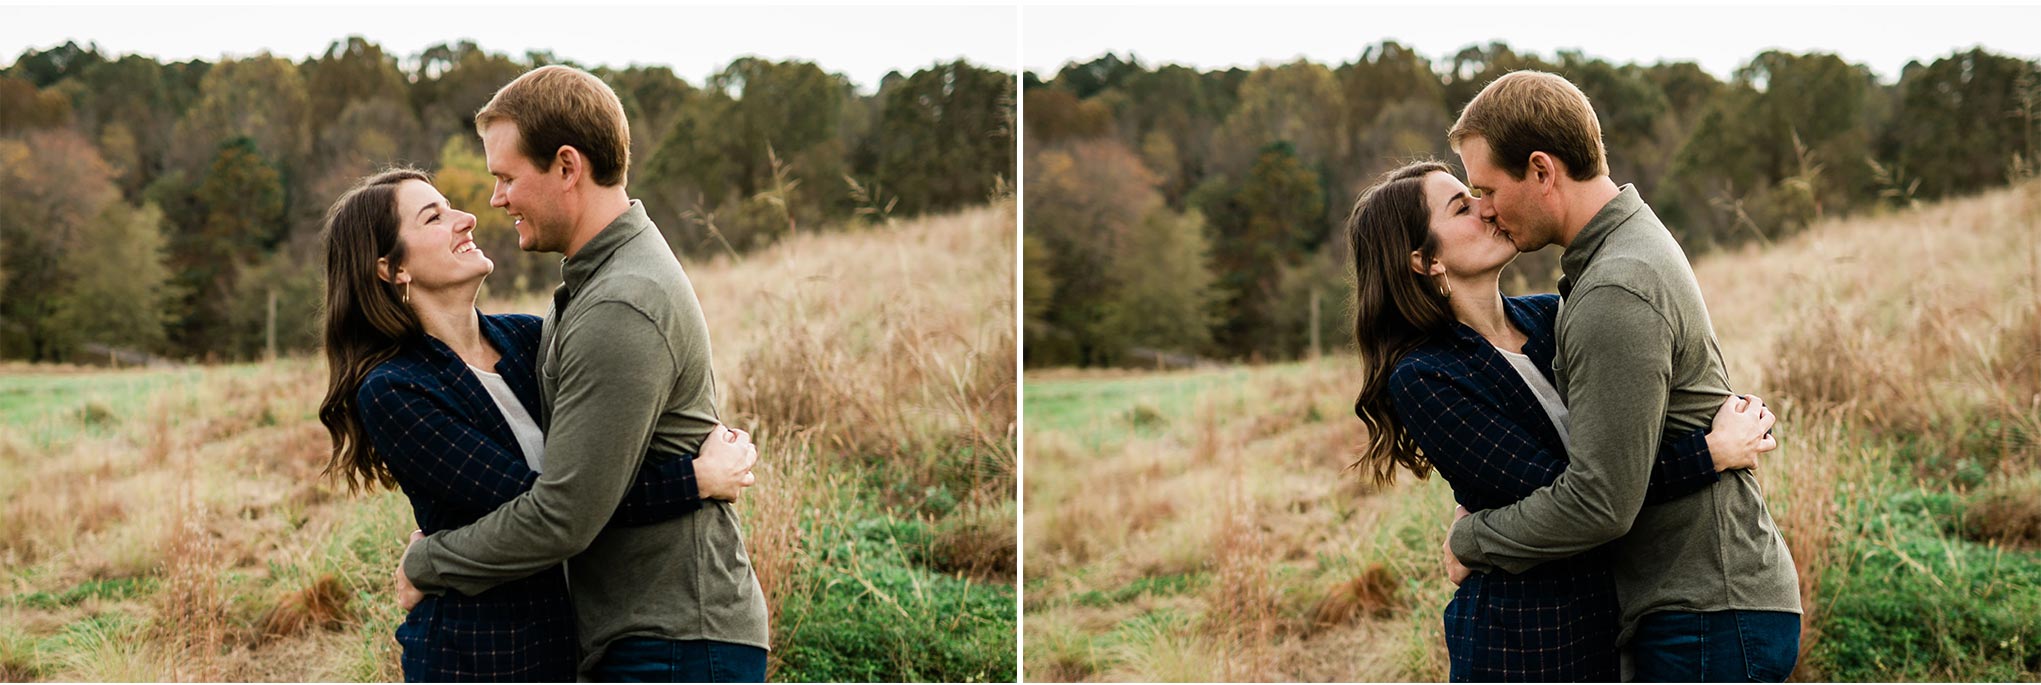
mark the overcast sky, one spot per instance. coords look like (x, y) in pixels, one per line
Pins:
(862, 43)
(1718, 38)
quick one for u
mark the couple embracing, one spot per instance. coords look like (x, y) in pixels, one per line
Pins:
(1609, 523)
(570, 478)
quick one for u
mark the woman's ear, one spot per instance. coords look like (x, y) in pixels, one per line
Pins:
(1425, 267)
(383, 272)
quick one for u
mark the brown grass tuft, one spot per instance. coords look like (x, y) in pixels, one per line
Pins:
(321, 605)
(978, 543)
(1373, 593)
(1243, 606)
(2007, 512)
(192, 618)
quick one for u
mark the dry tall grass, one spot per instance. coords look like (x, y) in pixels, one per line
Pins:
(1920, 329)
(172, 524)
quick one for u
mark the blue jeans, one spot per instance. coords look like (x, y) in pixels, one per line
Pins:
(1715, 647)
(653, 660)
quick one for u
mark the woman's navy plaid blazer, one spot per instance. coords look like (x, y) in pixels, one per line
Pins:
(1480, 425)
(453, 454)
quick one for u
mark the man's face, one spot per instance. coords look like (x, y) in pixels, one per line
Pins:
(529, 194)
(1515, 206)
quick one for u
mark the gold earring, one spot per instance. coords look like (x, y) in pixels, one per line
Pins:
(407, 292)
(1445, 288)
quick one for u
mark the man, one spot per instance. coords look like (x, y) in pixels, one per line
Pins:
(623, 371)
(1707, 586)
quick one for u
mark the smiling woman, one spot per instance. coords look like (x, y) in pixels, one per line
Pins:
(428, 395)
(417, 359)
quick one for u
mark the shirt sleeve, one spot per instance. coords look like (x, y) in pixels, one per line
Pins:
(615, 373)
(1479, 447)
(1684, 467)
(434, 453)
(1617, 408)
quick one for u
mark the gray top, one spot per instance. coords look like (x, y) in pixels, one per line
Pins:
(530, 439)
(1548, 396)
(623, 370)
(1638, 364)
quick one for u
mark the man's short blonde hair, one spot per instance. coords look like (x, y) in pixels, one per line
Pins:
(1532, 111)
(556, 105)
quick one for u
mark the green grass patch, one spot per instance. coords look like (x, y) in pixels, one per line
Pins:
(868, 610)
(1097, 409)
(1916, 601)
(1161, 586)
(53, 408)
(110, 589)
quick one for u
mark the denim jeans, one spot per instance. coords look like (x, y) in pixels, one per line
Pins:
(653, 660)
(1715, 647)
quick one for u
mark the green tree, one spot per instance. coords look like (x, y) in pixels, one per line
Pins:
(1091, 78)
(1961, 122)
(241, 202)
(1165, 293)
(946, 140)
(1280, 206)
(117, 293)
(1038, 293)
(135, 97)
(1299, 104)
(352, 72)
(1780, 145)
(45, 68)
(452, 82)
(261, 98)
(652, 97)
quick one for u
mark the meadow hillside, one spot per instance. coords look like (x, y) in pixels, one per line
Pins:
(1201, 525)
(171, 523)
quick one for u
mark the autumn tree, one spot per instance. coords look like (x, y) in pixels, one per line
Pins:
(56, 190)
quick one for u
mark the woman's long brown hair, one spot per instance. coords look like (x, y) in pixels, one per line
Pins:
(367, 322)
(1395, 309)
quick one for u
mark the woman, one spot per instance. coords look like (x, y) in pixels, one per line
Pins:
(1458, 378)
(427, 393)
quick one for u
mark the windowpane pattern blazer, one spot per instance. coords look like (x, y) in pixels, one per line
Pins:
(1479, 424)
(454, 456)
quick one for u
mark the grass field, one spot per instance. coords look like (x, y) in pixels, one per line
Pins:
(171, 524)
(1199, 525)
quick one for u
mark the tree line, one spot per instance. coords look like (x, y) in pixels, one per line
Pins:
(167, 208)
(1174, 213)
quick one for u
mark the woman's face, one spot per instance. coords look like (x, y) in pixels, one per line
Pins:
(439, 247)
(1467, 245)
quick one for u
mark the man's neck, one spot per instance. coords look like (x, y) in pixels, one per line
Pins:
(1580, 206)
(601, 208)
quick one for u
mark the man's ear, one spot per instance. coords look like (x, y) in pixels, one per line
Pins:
(1546, 169)
(569, 165)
